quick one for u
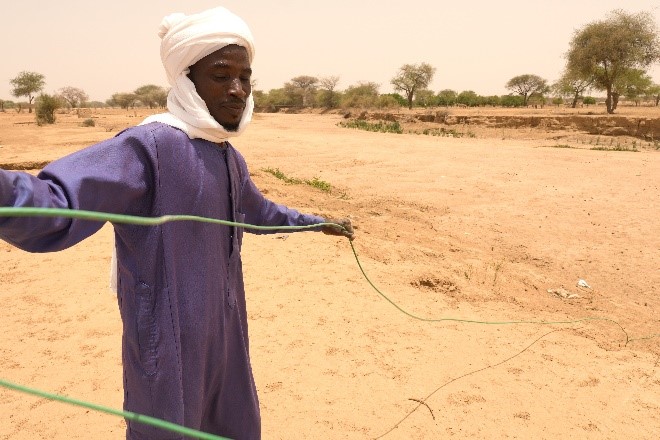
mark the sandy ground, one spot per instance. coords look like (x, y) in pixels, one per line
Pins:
(497, 228)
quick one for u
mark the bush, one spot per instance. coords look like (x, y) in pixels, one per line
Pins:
(327, 99)
(361, 95)
(493, 100)
(512, 101)
(589, 100)
(95, 104)
(387, 101)
(45, 109)
(6, 104)
(400, 100)
(468, 98)
(380, 126)
(88, 122)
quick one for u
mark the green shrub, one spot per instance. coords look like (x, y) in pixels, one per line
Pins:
(283, 177)
(315, 182)
(387, 101)
(380, 126)
(447, 132)
(512, 101)
(319, 184)
(558, 101)
(45, 109)
(89, 122)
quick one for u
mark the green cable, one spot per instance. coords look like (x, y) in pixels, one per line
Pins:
(153, 221)
(134, 417)
(136, 220)
(471, 321)
(132, 220)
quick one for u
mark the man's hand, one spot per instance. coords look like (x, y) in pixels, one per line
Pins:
(341, 227)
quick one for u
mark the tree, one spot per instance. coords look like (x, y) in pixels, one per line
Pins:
(606, 50)
(389, 100)
(259, 97)
(303, 85)
(492, 100)
(511, 101)
(572, 84)
(425, 98)
(327, 97)
(279, 98)
(633, 85)
(27, 84)
(73, 96)
(45, 108)
(537, 99)
(468, 98)
(123, 100)
(527, 85)
(413, 77)
(398, 99)
(653, 93)
(7, 104)
(151, 95)
(363, 94)
(95, 104)
(446, 97)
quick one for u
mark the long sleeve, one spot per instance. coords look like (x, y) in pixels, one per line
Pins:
(112, 176)
(258, 210)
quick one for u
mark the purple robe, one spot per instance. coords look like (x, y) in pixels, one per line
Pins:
(180, 285)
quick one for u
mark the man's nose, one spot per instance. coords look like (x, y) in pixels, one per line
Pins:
(236, 87)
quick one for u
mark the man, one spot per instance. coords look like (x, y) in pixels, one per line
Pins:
(179, 285)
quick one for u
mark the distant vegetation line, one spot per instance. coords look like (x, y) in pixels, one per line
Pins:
(612, 55)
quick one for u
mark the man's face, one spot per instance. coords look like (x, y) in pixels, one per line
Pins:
(222, 80)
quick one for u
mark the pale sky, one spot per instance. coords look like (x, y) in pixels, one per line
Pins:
(112, 46)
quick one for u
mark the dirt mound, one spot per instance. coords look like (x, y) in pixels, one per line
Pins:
(647, 128)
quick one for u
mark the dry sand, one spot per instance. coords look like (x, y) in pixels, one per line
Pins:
(473, 228)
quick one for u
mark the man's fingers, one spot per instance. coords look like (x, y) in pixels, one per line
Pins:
(340, 227)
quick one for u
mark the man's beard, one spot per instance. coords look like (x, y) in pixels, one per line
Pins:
(231, 127)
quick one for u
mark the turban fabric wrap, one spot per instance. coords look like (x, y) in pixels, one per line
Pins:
(186, 39)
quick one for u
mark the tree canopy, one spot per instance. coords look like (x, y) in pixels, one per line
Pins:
(573, 85)
(411, 78)
(327, 97)
(527, 85)
(27, 84)
(611, 55)
(304, 86)
(151, 95)
(362, 94)
(633, 85)
(607, 50)
(74, 96)
(45, 108)
(123, 100)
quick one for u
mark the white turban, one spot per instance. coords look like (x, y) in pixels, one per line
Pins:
(187, 39)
